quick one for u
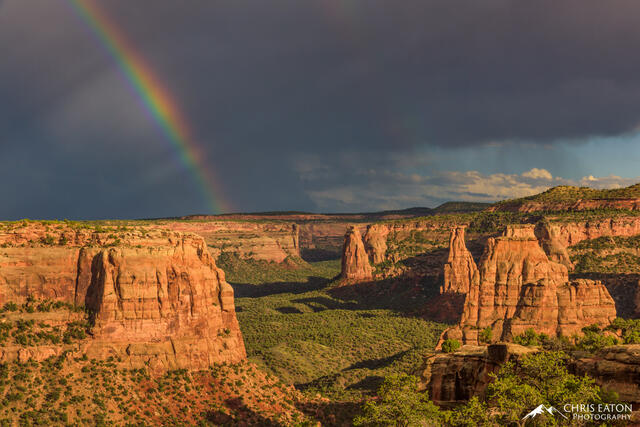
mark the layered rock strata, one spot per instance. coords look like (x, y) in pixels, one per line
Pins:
(355, 262)
(571, 233)
(156, 298)
(520, 288)
(266, 241)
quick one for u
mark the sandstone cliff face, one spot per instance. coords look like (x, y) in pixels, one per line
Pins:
(270, 241)
(452, 378)
(325, 235)
(156, 298)
(355, 262)
(571, 233)
(520, 288)
(376, 242)
(388, 241)
(460, 271)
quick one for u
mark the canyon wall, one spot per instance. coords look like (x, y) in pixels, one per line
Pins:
(520, 288)
(155, 297)
(572, 232)
(267, 241)
(325, 236)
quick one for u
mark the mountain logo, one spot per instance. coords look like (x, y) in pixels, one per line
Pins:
(541, 409)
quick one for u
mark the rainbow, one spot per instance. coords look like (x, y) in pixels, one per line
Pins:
(154, 97)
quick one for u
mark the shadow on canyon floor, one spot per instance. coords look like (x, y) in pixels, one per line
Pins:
(247, 290)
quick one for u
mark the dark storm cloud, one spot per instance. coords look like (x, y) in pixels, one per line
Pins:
(265, 84)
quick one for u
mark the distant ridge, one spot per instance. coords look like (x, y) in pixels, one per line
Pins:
(445, 208)
(569, 198)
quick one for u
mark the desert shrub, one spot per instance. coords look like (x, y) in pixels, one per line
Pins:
(10, 306)
(486, 335)
(594, 339)
(629, 328)
(450, 345)
(399, 403)
(538, 378)
(529, 338)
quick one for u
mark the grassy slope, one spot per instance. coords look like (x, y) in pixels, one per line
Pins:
(307, 336)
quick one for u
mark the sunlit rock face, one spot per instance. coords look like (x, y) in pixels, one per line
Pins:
(155, 298)
(520, 288)
(460, 271)
(355, 261)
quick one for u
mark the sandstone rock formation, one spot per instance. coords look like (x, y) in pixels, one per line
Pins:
(156, 297)
(267, 241)
(520, 288)
(615, 368)
(355, 262)
(460, 271)
(452, 378)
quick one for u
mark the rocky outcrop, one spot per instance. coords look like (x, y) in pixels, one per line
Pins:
(452, 378)
(520, 288)
(615, 368)
(267, 241)
(156, 298)
(460, 271)
(355, 262)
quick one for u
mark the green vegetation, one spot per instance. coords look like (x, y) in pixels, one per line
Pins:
(326, 340)
(540, 378)
(629, 329)
(78, 391)
(608, 242)
(399, 403)
(593, 262)
(486, 335)
(566, 193)
(258, 272)
(609, 254)
(592, 340)
(449, 345)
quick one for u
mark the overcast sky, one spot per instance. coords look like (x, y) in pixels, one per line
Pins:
(344, 105)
